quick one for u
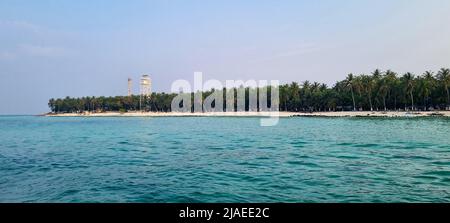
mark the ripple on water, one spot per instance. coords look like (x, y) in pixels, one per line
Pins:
(370, 145)
(298, 143)
(124, 143)
(439, 173)
(302, 163)
(426, 177)
(345, 144)
(69, 192)
(224, 160)
(348, 157)
(441, 163)
(411, 157)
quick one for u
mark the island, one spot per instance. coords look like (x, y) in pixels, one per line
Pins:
(380, 94)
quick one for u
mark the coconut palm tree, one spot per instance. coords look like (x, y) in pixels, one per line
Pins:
(444, 77)
(408, 79)
(285, 90)
(368, 85)
(377, 74)
(294, 91)
(395, 87)
(428, 83)
(52, 104)
(384, 88)
(349, 84)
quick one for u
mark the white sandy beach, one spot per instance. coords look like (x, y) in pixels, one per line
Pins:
(258, 114)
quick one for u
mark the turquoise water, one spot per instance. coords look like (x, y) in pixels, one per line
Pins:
(224, 160)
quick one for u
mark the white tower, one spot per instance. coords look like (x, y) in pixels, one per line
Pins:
(146, 86)
(146, 89)
(130, 86)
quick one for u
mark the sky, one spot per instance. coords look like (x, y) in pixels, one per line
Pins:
(57, 48)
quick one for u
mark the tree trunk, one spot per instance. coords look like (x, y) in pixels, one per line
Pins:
(353, 98)
(448, 96)
(425, 103)
(412, 101)
(395, 103)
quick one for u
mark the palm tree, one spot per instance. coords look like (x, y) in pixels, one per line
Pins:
(306, 93)
(377, 74)
(349, 84)
(409, 86)
(283, 96)
(294, 91)
(384, 88)
(52, 104)
(394, 86)
(428, 83)
(368, 85)
(377, 77)
(444, 77)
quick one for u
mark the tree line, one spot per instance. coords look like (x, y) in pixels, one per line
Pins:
(378, 91)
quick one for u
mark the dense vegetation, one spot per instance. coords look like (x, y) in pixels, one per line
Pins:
(378, 91)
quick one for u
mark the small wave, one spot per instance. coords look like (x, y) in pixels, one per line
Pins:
(69, 192)
(411, 157)
(344, 144)
(298, 162)
(443, 163)
(348, 157)
(370, 145)
(124, 143)
(298, 143)
(441, 173)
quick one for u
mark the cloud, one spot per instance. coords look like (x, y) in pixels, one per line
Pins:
(20, 25)
(42, 51)
(288, 52)
(296, 51)
(25, 39)
(29, 50)
(7, 55)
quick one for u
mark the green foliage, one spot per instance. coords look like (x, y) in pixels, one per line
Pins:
(378, 91)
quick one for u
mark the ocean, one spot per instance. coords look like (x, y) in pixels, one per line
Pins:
(213, 159)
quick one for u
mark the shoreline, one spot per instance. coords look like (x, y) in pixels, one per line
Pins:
(388, 114)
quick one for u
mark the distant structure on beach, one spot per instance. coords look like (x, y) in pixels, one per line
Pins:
(146, 89)
(130, 86)
(146, 86)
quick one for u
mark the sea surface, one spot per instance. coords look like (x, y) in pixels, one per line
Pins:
(212, 159)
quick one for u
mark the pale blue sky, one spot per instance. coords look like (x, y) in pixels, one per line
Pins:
(89, 48)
